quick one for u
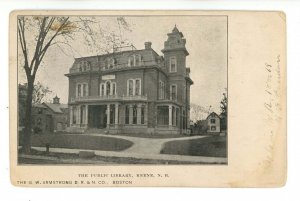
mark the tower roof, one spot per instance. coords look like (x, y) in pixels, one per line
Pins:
(176, 31)
(175, 42)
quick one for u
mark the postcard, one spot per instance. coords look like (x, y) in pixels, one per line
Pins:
(147, 98)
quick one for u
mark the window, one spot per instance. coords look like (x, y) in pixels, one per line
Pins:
(84, 66)
(82, 109)
(173, 116)
(143, 114)
(213, 128)
(79, 90)
(107, 88)
(177, 117)
(173, 93)
(134, 113)
(113, 89)
(102, 90)
(173, 66)
(161, 90)
(84, 90)
(127, 114)
(134, 87)
(137, 87)
(213, 121)
(110, 63)
(112, 114)
(137, 60)
(131, 61)
(130, 87)
(40, 111)
(74, 115)
(39, 121)
(162, 115)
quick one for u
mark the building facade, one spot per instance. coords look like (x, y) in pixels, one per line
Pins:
(213, 123)
(132, 91)
(50, 117)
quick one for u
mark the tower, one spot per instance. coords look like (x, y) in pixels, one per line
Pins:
(175, 53)
(56, 100)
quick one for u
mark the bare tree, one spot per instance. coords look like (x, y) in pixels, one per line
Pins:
(223, 108)
(36, 34)
(198, 112)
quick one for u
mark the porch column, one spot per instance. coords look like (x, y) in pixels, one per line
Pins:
(130, 114)
(86, 114)
(188, 118)
(71, 115)
(108, 116)
(146, 114)
(170, 115)
(116, 113)
(139, 114)
(175, 116)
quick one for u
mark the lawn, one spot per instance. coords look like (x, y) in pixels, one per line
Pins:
(69, 158)
(215, 146)
(81, 142)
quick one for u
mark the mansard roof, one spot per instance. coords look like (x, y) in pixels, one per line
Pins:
(149, 57)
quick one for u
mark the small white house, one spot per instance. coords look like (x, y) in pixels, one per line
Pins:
(213, 123)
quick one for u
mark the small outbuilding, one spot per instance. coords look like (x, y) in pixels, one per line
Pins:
(213, 123)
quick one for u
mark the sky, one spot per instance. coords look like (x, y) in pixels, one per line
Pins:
(206, 41)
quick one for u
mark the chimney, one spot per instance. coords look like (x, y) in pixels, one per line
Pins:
(148, 45)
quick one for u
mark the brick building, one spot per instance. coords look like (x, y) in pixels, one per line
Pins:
(49, 117)
(132, 91)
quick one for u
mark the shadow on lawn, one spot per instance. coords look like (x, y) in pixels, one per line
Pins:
(80, 142)
(210, 146)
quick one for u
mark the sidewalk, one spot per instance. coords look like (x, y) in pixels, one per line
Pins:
(181, 158)
(146, 145)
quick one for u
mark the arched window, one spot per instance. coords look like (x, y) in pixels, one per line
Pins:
(108, 88)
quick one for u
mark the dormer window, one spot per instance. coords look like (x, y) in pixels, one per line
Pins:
(173, 65)
(110, 63)
(131, 61)
(135, 60)
(84, 66)
(138, 59)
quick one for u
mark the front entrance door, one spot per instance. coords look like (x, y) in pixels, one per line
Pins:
(97, 116)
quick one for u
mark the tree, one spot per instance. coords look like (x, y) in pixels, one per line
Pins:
(40, 93)
(198, 112)
(36, 34)
(223, 114)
